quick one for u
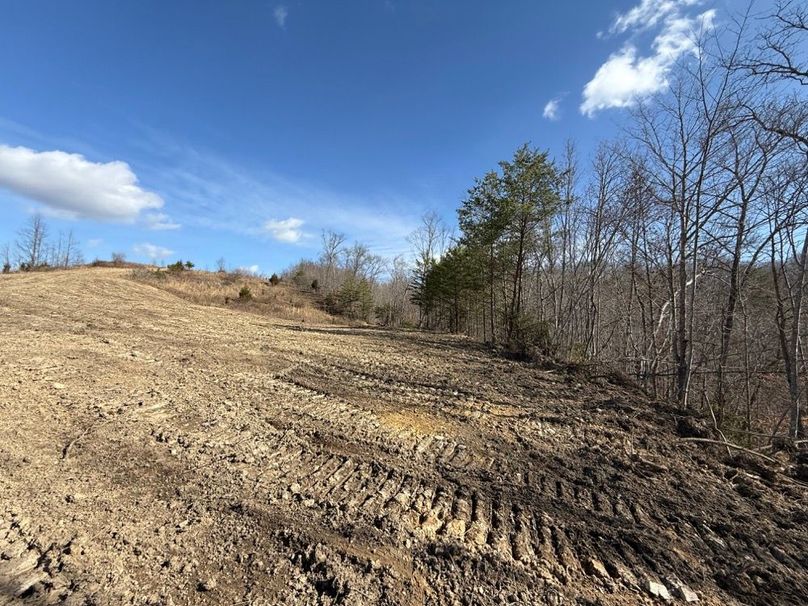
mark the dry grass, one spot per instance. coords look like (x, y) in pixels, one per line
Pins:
(222, 290)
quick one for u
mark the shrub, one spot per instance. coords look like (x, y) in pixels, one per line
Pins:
(300, 279)
(118, 258)
(148, 274)
(331, 304)
(315, 284)
(384, 314)
(6, 267)
(39, 267)
(531, 337)
(177, 267)
(189, 265)
(577, 353)
(274, 279)
(245, 294)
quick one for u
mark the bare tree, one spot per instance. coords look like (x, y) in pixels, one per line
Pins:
(431, 238)
(561, 254)
(333, 244)
(604, 217)
(739, 231)
(31, 242)
(392, 295)
(781, 52)
(65, 251)
(780, 60)
(684, 134)
(360, 263)
(789, 267)
(429, 243)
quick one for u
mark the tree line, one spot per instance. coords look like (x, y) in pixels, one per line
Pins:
(356, 283)
(677, 253)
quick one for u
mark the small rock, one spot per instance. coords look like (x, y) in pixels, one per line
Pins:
(320, 554)
(684, 592)
(553, 597)
(58, 386)
(207, 585)
(658, 590)
(779, 554)
(596, 568)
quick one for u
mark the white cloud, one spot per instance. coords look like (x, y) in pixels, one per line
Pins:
(72, 186)
(94, 242)
(622, 80)
(551, 109)
(285, 230)
(152, 251)
(626, 77)
(281, 13)
(160, 221)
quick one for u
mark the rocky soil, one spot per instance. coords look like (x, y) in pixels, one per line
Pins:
(153, 451)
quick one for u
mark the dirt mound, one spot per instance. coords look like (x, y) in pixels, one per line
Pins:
(153, 451)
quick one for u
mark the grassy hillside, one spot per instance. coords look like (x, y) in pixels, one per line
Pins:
(221, 289)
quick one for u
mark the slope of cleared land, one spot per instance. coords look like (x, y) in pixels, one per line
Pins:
(154, 451)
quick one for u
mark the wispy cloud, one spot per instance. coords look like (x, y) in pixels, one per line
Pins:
(647, 14)
(281, 13)
(627, 76)
(152, 252)
(209, 191)
(160, 222)
(552, 109)
(69, 185)
(285, 230)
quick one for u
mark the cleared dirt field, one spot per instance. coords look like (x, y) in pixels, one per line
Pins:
(153, 451)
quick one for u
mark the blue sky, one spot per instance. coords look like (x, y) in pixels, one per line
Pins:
(201, 129)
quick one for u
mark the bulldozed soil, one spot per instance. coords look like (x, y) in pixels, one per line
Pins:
(155, 451)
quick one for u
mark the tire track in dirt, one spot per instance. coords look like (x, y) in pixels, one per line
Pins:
(30, 571)
(430, 512)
